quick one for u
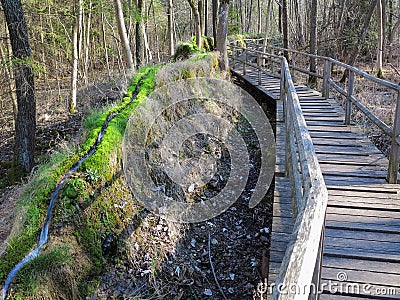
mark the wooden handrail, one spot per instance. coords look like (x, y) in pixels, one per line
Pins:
(328, 83)
(309, 195)
(310, 198)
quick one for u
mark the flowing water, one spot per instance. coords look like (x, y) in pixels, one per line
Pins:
(45, 229)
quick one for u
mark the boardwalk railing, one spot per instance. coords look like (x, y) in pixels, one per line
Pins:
(393, 132)
(302, 262)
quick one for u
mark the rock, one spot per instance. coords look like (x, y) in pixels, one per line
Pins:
(208, 292)
(109, 246)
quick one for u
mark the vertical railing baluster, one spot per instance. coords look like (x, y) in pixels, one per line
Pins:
(394, 156)
(327, 77)
(259, 67)
(293, 67)
(245, 61)
(349, 104)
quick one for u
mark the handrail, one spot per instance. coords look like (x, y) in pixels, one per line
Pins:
(309, 194)
(392, 132)
(305, 247)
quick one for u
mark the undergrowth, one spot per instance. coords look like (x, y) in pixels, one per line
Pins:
(95, 207)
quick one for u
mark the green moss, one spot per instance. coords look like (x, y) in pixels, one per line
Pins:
(90, 218)
(31, 277)
(37, 194)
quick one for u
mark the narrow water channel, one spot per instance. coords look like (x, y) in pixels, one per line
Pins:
(44, 234)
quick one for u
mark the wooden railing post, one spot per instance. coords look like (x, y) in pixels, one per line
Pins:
(349, 105)
(327, 77)
(245, 61)
(394, 157)
(293, 67)
(316, 281)
(259, 67)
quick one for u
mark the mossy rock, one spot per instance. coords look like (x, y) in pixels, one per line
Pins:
(184, 51)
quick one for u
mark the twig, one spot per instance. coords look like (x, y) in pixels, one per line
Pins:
(395, 69)
(212, 268)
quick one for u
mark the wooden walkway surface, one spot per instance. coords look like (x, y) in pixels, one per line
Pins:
(361, 257)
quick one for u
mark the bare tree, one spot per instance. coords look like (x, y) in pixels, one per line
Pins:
(170, 13)
(363, 34)
(285, 28)
(196, 15)
(215, 19)
(75, 55)
(222, 34)
(379, 56)
(123, 35)
(312, 80)
(25, 124)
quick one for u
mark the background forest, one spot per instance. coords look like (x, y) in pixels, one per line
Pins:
(88, 30)
(84, 54)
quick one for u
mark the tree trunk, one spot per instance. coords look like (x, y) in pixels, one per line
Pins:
(75, 56)
(25, 124)
(312, 80)
(353, 57)
(299, 23)
(259, 21)
(171, 27)
(196, 16)
(206, 17)
(123, 35)
(222, 34)
(139, 35)
(285, 28)
(201, 14)
(215, 20)
(379, 56)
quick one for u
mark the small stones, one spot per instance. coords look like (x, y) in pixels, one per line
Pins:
(208, 292)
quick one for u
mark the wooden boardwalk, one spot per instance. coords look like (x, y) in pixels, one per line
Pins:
(361, 256)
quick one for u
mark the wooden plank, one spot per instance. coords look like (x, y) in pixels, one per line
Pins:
(361, 265)
(373, 278)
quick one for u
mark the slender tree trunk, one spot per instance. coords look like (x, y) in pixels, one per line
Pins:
(353, 57)
(299, 23)
(259, 21)
(196, 15)
(201, 15)
(87, 43)
(267, 20)
(222, 34)
(139, 35)
(105, 46)
(75, 56)
(206, 17)
(285, 28)
(171, 28)
(312, 80)
(123, 35)
(25, 124)
(379, 56)
(215, 20)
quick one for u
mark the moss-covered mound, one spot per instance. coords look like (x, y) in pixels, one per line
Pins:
(94, 211)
